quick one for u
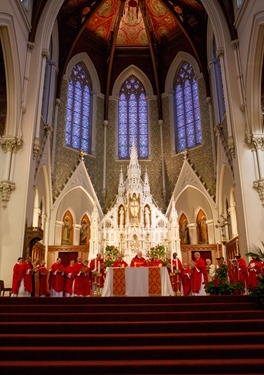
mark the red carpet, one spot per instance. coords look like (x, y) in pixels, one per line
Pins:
(166, 335)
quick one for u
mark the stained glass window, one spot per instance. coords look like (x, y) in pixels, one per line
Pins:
(132, 119)
(78, 121)
(188, 128)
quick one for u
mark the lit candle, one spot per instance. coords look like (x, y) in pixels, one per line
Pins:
(99, 264)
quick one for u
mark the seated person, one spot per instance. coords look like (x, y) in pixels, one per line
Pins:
(155, 262)
(138, 260)
(120, 262)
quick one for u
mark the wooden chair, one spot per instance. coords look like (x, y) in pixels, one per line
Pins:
(3, 289)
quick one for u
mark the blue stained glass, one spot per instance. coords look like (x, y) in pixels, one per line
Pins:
(187, 130)
(78, 129)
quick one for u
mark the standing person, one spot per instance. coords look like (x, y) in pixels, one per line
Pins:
(138, 260)
(26, 288)
(69, 279)
(56, 279)
(186, 279)
(120, 262)
(175, 269)
(97, 266)
(43, 279)
(210, 268)
(17, 276)
(78, 285)
(243, 271)
(254, 271)
(198, 275)
(86, 282)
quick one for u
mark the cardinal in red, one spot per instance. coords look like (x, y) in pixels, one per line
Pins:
(56, 279)
(138, 260)
(198, 275)
(17, 276)
(120, 262)
(69, 278)
(43, 276)
(155, 262)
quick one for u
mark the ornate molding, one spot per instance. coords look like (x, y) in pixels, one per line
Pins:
(11, 144)
(255, 142)
(259, 186)
(6, 188)
(235, 44)
(36, 148)
(231, 146)
(219, 52)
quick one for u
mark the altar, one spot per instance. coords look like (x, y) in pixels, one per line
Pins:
(137, 281)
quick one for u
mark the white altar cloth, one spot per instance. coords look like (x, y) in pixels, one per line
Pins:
(137, 282)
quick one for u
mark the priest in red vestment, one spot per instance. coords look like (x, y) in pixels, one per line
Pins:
(255, 269)
(155, 262)
(186, 279)
(17, 276)
(43, 276)
(120, 262)
(138, 260)
(175, 268)
(56, 279)
(26, 288)
(86, 282)
(78, 285)
(198, 275)
(69, 278)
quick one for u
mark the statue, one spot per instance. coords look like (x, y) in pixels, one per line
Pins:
(83, 232)
(134, 209)
(203, 238)
(184, 232)
(121, 217)
(147, 217)
(66, 231)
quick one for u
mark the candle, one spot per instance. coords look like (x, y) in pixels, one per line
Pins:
(237, 246)
(177, 263)
(217, 249)
(95, 267)
(99, 264)
(171, 264)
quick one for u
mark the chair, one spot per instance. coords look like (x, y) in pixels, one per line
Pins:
(3, 289)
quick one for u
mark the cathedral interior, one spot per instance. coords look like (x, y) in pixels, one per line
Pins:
(130, 123)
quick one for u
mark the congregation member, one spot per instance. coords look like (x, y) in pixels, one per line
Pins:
(17, 275)
(186, 279)
(43, 279)
(120, 261)
(56, 279)
(255, 269)
(138, 260)
(198, 275)
(69, 279)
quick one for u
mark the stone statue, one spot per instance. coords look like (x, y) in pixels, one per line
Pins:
(83, 232)
(202, 226)
(66, 231)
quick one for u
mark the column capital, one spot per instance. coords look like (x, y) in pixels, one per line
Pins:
(11, 144)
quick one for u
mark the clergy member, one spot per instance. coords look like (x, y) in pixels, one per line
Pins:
(69, 279)
(120, 262)
(198, 275)
(17, 276)
(138, 260)
(56, 279)
(78, 286)
(43, 276)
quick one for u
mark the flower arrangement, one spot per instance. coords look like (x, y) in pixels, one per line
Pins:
(111, 254)
(220, 284)
(158, 251)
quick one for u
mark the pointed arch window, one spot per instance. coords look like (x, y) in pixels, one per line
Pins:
(188, 128)
(78, 122)
(218, 80)
(132, 119)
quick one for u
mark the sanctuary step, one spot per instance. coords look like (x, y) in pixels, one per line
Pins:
(132, 335)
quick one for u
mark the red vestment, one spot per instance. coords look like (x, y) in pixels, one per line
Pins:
(78, 285)
(175, 277)
(120, 264)
(17, 276)
(27, 275)
(254, 270)
(198, 275)
(69, 277)
(138, 262)
(43, 276)
(56, 279)
(155, 263)
(87, 283)
(186, 281)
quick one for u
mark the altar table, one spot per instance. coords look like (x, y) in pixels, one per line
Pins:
(137, 281)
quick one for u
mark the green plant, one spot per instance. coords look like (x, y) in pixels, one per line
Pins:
(158, 251)
(258, 292)
(111, 254)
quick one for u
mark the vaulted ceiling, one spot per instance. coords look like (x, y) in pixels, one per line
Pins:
(118, 33)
